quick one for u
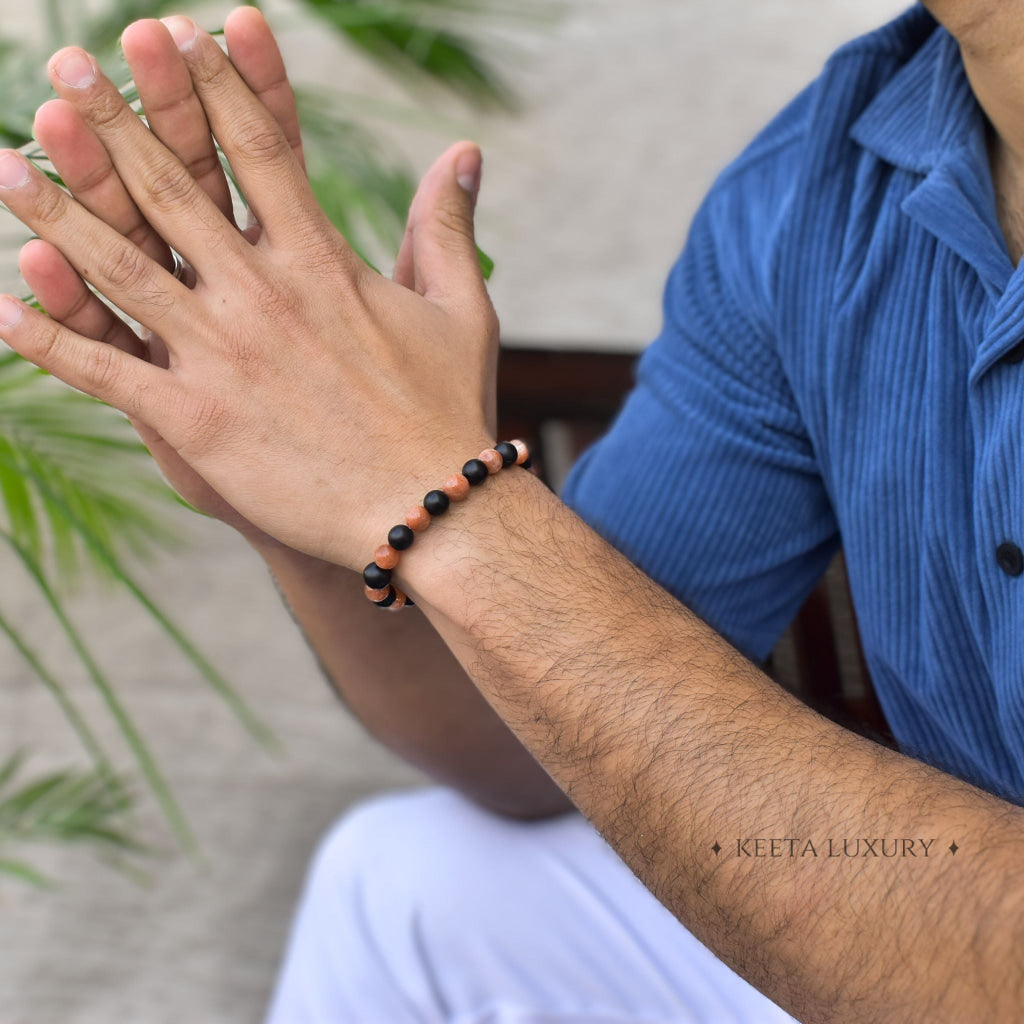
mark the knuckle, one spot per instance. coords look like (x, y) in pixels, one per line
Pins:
(106, 110)
(47, 343)
(210, 70)
(169, 188)
(126, 269)
(261, 139)
(49, 205)
(100, 368)
(454, 225)
(322, 255)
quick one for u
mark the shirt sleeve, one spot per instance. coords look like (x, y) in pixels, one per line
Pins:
(707, 479)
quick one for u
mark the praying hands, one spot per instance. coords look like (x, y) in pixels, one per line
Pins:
(290, 387)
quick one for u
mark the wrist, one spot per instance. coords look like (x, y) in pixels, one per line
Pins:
(460, 562)
(282, 559)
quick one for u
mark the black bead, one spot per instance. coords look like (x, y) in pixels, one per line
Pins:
(400, 537)
(389, 600)
(1010, 558)
(508, 452)
(527, 464)
(475, 471)
(436, 502)
(375, 577)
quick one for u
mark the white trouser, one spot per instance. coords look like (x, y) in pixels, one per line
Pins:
(421, 907)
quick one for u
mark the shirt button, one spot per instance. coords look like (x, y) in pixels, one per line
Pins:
(1010, 559)
(1015, 354)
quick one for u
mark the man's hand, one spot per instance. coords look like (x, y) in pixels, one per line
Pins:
(294, 377)
(177, 118)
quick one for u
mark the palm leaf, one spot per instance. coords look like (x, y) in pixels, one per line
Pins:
(418, 40)
(67, 806)
(60, 448)
(143, 757)
(77, 495)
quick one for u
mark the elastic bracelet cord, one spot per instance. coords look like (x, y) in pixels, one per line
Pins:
(377, 575)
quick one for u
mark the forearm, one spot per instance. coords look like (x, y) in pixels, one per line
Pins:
(670, 741)
(401, 681)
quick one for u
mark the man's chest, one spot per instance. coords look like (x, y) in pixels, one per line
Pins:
(910, 376)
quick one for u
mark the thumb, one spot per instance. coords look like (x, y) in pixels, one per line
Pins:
(440, 242)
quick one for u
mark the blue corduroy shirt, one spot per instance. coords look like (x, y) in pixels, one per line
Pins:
(839, 364)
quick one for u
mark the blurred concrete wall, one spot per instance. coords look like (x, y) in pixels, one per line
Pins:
(631, 107)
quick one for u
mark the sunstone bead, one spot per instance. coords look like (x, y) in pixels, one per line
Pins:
(524, 452)
(386, 556)
(417, 518)
(399, 602)
(492, 460)
(377, 595)
(456, 487)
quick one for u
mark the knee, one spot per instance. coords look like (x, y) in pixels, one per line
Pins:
(407, 861)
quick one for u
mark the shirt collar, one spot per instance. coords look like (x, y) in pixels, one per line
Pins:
(926, 109)
(927, 121)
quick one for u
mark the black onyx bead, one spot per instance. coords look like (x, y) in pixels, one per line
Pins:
(527, 464)
(436, 502)
(375, 577)
(400, 537)
(1010, 559)
(389, 600)
(475, 471)
(508, 453)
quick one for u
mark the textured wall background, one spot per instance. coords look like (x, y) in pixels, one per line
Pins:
(631, 108)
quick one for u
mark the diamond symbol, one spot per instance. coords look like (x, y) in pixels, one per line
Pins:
(716, 848)
(953, 847)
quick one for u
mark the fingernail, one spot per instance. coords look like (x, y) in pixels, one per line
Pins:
(13, 170)
(184, 31)
(11, 311)
(76, 69)
(468, 169)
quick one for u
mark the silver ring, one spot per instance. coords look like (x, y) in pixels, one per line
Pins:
(179, 267)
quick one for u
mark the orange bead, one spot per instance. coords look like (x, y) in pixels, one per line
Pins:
(376, 595)
(399, 601)
(492, 460)
(524, 452)
(386, 556)
(456, 487)
(417, 518)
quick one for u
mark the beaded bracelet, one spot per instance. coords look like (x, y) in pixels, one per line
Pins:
(377, 575)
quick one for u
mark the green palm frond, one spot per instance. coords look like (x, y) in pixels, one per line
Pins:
(363, 186)
(62, 450)
(407, 39)
(67, 806)
(78, 494)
